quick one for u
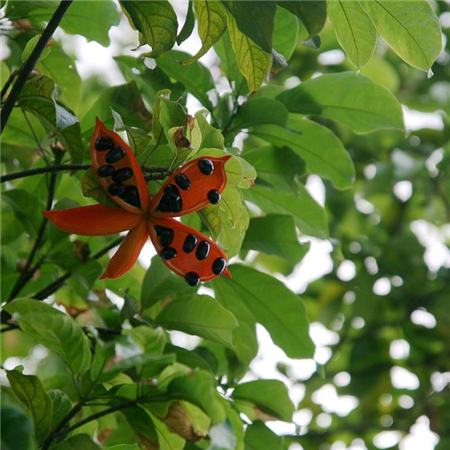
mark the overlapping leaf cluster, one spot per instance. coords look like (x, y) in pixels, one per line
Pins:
(109, 372)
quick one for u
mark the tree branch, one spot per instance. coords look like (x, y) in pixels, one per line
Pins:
(31, 62)
(28, 271)
(159, 172)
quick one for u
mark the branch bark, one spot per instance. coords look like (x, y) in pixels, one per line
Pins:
(31, 62)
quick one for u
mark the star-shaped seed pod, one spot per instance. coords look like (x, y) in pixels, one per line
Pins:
(191, 187)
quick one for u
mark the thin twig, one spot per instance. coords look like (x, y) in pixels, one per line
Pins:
(158, 171)
(31, 62)
(28, 271)
(55, 285)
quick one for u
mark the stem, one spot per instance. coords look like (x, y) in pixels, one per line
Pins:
(28, 271)
(65, 420)
(31, 61)
(158, 171)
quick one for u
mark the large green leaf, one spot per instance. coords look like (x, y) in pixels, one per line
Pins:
(252, 60)
(321, 150)
(38, 97)
(275, 234)
(198, 387)
(275, 307)
(308, 215)
(410, 28)
(354, 30)
(17, 429)
(200, 315)
(77, 19)
(255, 20)
(285, 32)
(156, 22)
(279, 167)
(29, 390)
(195, 77)
(271, 396)
(53, 329)
(160, 284)
(212, 22)
(77, 442)
(126, 100)
(313, 14)
(245, 344)
(349, 98)
(259, 111)
(260, 437)
(61, 405)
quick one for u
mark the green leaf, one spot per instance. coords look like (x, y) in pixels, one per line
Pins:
(37, 97)
(211, 137)
(410, 28)
(346, 97)
(198, 387)
(195, 77)
(271, 396)
(260, 437)
(308, 215)
(252, 60)
(146, 365)
(199, 315)
(285, 319)
(228, 62)
(160, 284)
(354, 30)
(29, 47)
(156, 22)
(30, 392)
(17, 429)
(279, 167)
(53, 329)
(61, 405)
(285, 33)
(282, 240)
(78, 20)
(321, 150)
(77, 442)
(313, 14)
(212, 22)
(245, 344)
(61, 67)
(126, 100)
(188, 26)
(259, 111)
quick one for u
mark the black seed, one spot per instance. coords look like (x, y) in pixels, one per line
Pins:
(170, 204)
(206, 166)
(114, 155)
(218, 266)
(105, 171)
(131, 196)
(165, 235)
(192, 278)
(183, 181)
(168, 253)
(172, 191)
(202, 251)
(189, 243)
(116, 189)
(103, 143)
(214, 196)
(122, 175)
